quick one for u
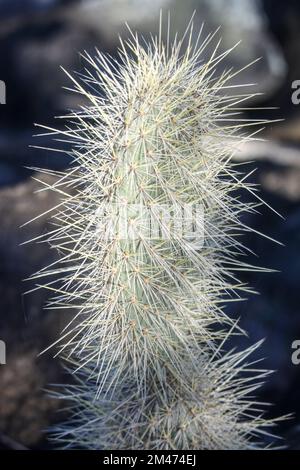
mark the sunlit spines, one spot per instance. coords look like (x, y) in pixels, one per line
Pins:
(158, 130)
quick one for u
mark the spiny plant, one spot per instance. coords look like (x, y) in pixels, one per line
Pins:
(146, 345)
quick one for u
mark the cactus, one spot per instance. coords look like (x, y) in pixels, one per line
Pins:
(146, 346)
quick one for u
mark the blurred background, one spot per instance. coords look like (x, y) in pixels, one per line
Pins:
(39, 36)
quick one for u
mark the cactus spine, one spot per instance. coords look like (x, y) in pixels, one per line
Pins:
(147, 342)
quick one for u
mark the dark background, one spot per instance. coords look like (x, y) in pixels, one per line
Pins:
(36, 37)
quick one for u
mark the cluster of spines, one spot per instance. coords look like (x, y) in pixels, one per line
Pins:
(146, 344)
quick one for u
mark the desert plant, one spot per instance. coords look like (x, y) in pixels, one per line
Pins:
(147, 343)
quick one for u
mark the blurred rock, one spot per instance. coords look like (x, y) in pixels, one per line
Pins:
(288, 131)
(284, 182)
(108, 15)
(277, 169)
(273, 314)
(32, 48)
(13, 8)
(40, 36)
(11, 174)
(26, 411)
(243, 20)
(239, 20)
(18, 205)
(32, 56)
(19, 153)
